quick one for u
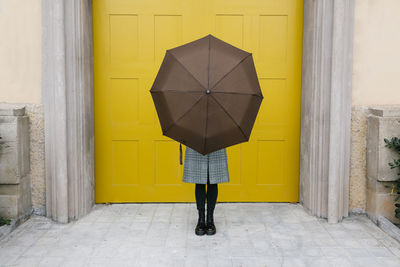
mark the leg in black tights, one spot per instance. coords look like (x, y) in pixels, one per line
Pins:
(201, 195)
(212, 194)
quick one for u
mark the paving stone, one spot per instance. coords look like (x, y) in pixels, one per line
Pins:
(219, 262)
(35, 251)
(333, 251)
(339, 262)
(51, 261)
(25, 261)
(364, 261)
(380, 252)
(388, 261)
(196, 261)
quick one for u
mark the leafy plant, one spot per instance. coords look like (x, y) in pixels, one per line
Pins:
(394, 144)
(4, 221)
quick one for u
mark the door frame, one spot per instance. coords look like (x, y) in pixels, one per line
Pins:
(67, 95)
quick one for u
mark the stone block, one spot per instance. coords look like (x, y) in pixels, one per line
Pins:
(382, 123)
(9, 206)
(15, 181)
(14, 148)
(15, 199)
(7, 109)
(379, 186)
(381, 204)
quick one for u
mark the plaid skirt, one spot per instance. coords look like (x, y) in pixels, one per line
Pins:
(196, 167)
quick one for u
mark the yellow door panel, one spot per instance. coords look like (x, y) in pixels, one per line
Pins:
(133, 161)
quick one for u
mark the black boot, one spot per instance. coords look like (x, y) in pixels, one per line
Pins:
(210, 227)
(201, 223)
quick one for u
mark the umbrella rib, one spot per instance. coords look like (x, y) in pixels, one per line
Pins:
(237, 93)
(205, 134)
(230, 70)
(216, 100)
(187, 70)
(208, 67)
(175, 122)
(208, 86)
(177, 91)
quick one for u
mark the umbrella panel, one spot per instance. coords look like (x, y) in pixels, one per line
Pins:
(173, 76)
(242, 108)
(171, 106)
(190, 128)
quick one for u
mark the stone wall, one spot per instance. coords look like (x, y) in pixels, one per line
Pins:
(15, 182)
(363, 189)
(37, 168)
(358, 176)
(382, 122)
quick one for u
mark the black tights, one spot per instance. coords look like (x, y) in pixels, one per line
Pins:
(212, 194)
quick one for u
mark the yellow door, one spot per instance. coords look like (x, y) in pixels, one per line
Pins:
(133, 161)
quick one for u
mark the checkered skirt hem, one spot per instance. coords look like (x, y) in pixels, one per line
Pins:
(196, 165)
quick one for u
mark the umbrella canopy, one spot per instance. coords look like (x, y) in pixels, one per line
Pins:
(207, 94)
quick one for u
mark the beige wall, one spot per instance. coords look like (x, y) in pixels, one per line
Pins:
(20, 51)
(376, 68)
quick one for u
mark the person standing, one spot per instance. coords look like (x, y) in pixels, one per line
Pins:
(210, 169)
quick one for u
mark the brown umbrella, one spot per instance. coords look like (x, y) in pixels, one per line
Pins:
(207, 94)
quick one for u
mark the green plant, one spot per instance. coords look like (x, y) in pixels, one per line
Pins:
(394, 144)
(4, 221)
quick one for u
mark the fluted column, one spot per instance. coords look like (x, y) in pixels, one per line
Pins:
(326, 107)
(67, 93)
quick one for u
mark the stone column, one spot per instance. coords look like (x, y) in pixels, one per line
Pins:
(326, 107)
(15, 182)
(382, 122)
(67, 91)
